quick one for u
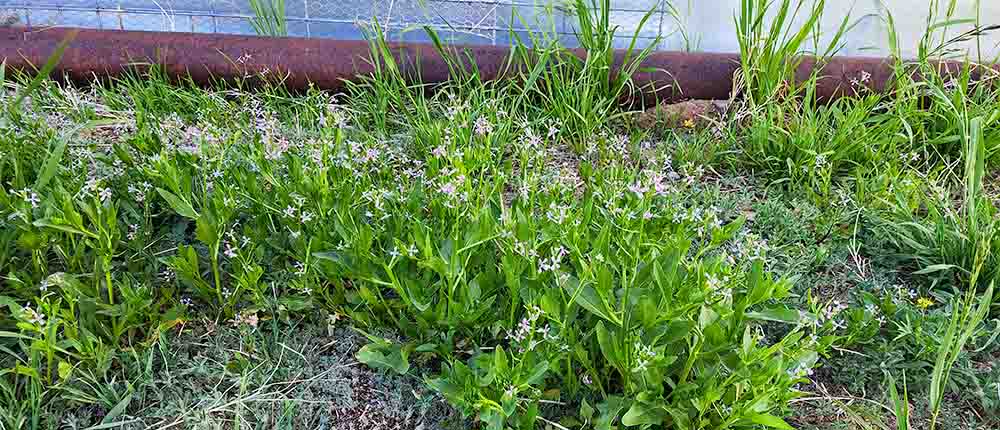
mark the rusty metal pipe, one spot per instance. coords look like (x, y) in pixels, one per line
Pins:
(328, 63)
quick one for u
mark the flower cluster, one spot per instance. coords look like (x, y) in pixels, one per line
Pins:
(526, 326)
(644, 356)
(33, 316)
(552, 263)
(246, 318)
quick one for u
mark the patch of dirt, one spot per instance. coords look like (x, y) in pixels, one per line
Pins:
(691, 114)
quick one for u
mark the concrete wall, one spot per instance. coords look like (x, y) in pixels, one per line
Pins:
(711, 21)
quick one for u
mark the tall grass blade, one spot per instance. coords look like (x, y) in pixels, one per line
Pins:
(269, 18)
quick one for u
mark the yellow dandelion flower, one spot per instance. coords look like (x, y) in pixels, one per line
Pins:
(689, 123)
(924, 303)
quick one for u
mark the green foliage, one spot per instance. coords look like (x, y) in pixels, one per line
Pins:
(582, 95)
(507, 244)
(269, 18)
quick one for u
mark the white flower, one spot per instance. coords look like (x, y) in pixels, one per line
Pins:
(821, 161)
(483, 126)
(553, 131)
(105, 194)
(638, 189)
(290, 211)
(300, 268)
(306, 216)
(713, 282)
(30, 197)
(34, 317)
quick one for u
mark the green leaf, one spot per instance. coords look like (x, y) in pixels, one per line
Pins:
(777, 314)
(493, 419)
(206, 230)
(48, 223)
(118, 409)
(500, 360)
(643, 414)
(448, 389)
(770, 421)
(385, 355)
(337, 257)
(935, 268)
(67, 282)
(529, 417)
(65, 370)
(12, 335)
(55, 157)
(51, 164)
(179, 205)
(586, 296)
(586, 411)
(537, 373)
(609, 409)
(608, 346)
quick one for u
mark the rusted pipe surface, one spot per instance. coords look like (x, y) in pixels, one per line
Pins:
(327, 63)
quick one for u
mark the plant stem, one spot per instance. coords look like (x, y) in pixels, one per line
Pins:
(107, 280)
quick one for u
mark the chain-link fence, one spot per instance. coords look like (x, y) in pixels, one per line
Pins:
(457, 21)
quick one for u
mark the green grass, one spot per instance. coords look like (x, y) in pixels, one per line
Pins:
(508, 254)
(269, 18)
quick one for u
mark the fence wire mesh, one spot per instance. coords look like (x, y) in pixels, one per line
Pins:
(457, 21)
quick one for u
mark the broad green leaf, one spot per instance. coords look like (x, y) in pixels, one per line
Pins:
(609, 410)
(66, 282)
(444, 386)
(65, 370)
(21, 369)
(51, 163)
(586, 411)
(537, 373)
(642, 413)
(586, 296)
(179, 205)
(206, 230)
(777, 314)
(770, 421)
(500, 360)
(608, 346)
(385, 356)
(340, 258)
